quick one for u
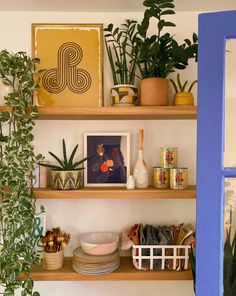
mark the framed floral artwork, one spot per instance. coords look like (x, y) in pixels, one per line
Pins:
(109, 162)
(72, 56)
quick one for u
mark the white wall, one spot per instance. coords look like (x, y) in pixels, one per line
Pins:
(79, 216)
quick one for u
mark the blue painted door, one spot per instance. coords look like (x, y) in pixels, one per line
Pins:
(214, 30)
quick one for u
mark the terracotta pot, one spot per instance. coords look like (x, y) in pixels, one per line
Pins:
(154, 92)
(66, 180)
(124, 95)
(53, 261)
(183, 98)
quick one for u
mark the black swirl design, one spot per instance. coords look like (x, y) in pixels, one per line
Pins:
(66, 74)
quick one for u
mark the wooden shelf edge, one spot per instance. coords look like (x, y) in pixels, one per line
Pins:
(116, 193)
(126, 272)
(116, 113)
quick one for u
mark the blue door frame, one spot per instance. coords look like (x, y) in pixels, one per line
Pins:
(214, 29)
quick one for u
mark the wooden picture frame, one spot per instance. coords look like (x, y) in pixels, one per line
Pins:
(72, 56)
(109, 164)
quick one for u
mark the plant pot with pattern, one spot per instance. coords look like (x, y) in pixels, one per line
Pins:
(68, 175)
(122, 58)
(182, 97)
(159, 54)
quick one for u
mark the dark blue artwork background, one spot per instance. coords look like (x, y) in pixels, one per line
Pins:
(112, 145)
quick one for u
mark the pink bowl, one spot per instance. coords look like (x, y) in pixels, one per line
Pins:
(99, 243)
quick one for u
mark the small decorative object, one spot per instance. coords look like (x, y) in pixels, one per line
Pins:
(109, 164)
(122, 58)
(124, 95)
(53, 244)
(73, 62)
(168, 157)
(99, 243)
(68, 175)
(179, 178)
(140, 169)
(161, 177)
(43, 175)
(181, 96)
(160, 54)
(39, 230)
(130, 183)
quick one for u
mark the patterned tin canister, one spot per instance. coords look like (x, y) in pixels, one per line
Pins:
(161, 177)
(179, 178)
(124, 95)
(169, 157)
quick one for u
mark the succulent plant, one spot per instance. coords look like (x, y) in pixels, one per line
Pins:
(179, 87)
(67, 163)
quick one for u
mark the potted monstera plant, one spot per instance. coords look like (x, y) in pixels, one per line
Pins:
(67, 175)
(121, 53)
(160, 54)
(17, 162)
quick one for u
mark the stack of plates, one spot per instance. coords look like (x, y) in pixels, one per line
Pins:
(95, 265)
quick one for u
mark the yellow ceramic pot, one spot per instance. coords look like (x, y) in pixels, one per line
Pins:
(183, 98)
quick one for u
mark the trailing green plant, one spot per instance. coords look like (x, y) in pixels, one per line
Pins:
(160, 54)
(17, 163)
(230, 261)
(67, 163)
(179, 87)
(120, 50)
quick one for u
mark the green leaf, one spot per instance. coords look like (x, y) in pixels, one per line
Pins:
(169, 24)
(64, 152)
(195, 37)
(70, 162)
(167, 12)
(4, 116)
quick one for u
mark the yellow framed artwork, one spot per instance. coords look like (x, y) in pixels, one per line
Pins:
(72, 56)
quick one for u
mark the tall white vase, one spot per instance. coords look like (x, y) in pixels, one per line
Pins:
(140, 169)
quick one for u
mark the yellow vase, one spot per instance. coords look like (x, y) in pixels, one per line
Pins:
(183, 98)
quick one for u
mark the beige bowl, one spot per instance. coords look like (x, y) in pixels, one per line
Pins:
(99, 243)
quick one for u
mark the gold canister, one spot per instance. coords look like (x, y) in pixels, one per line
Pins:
(169, 157)
(179, 178)
(161, 177)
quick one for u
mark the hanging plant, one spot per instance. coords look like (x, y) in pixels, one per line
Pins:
(17, 163)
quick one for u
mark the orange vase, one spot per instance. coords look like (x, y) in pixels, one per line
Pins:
(154, 92)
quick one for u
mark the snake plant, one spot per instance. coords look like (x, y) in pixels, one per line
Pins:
(67, 163)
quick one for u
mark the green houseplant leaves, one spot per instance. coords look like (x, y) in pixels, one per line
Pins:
(160, 54)
(17, 162)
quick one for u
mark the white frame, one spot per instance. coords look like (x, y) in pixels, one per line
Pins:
(127, 135)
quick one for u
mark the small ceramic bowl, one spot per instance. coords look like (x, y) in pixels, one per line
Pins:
(99, 243)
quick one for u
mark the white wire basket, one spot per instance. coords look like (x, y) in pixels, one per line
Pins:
(151, 257)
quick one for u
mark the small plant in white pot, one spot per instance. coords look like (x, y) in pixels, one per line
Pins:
(122, 58)
(68, 175)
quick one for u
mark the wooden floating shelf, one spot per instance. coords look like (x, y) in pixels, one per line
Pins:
(116, 192)
(117, 113)
(126, 272)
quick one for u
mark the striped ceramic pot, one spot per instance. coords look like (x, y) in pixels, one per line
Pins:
(53, 261)
(66, 180)
(124, 95)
